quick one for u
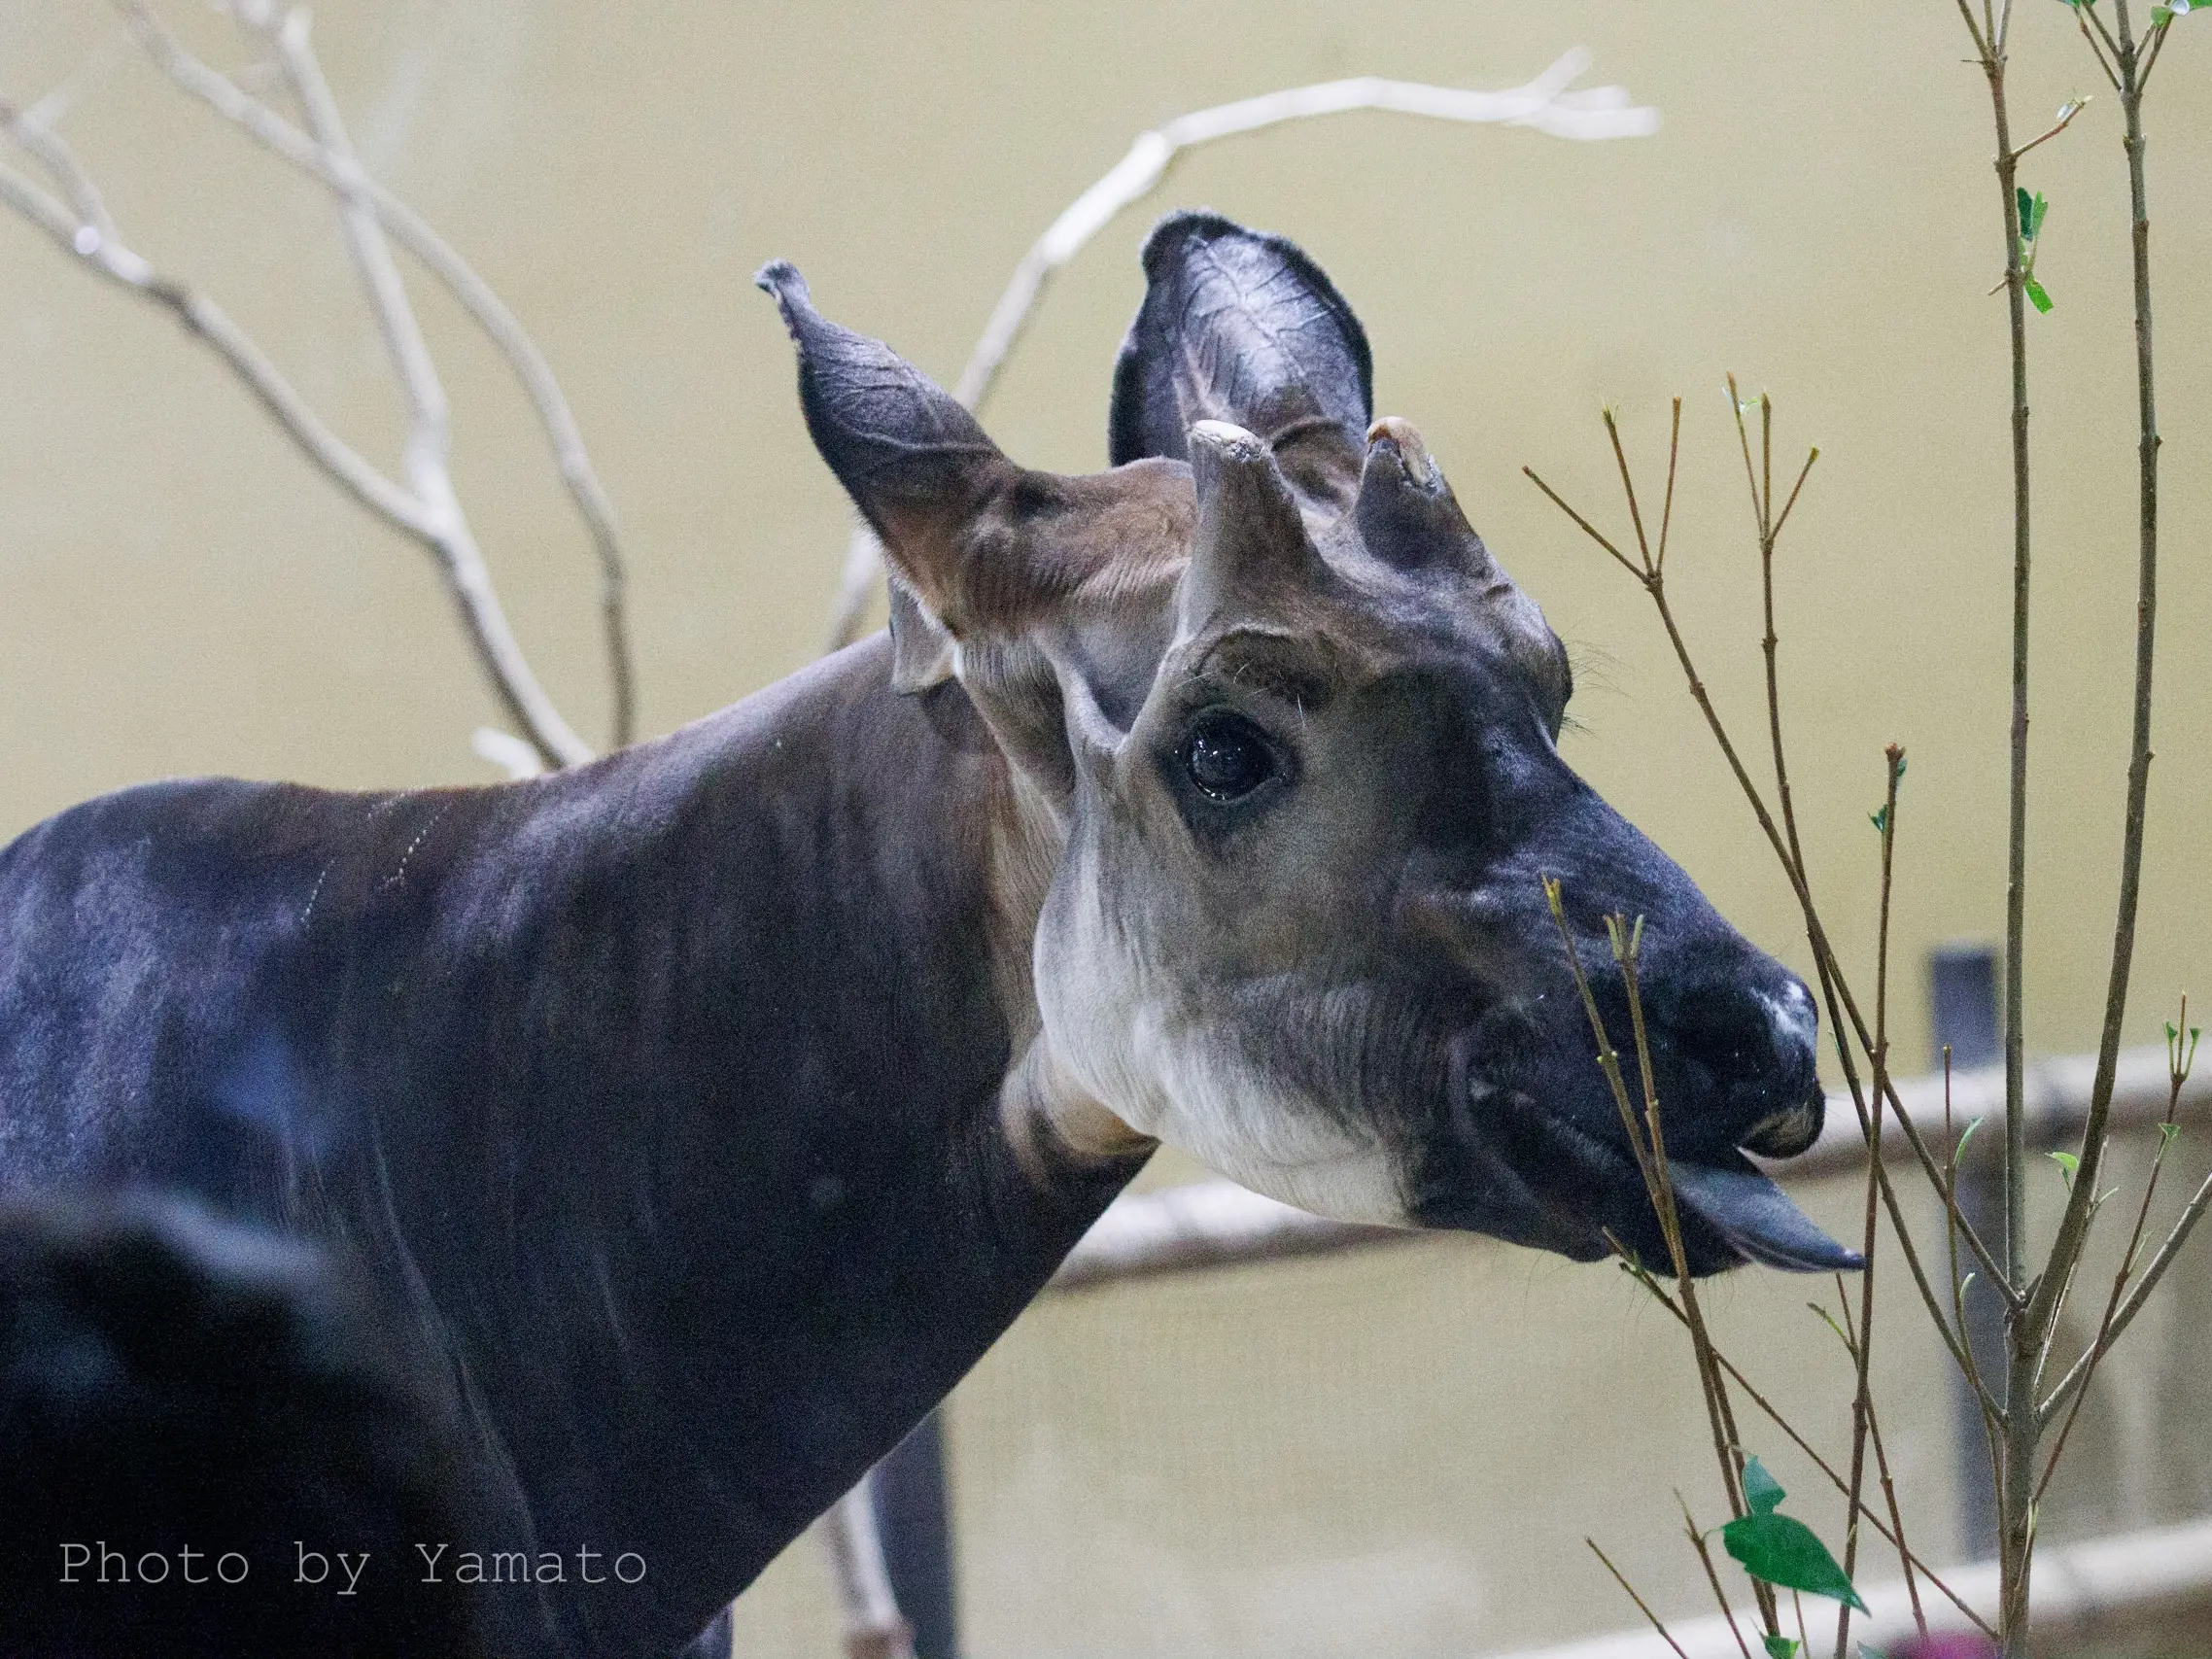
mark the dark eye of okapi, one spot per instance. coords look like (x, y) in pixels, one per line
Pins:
(1226, 758)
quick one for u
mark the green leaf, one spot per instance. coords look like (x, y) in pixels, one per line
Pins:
(2168, 1131)
(2035, 294)
(2025, 204)
(2161, 15)
(1780, 1549)
(2067, 1163)
(1879, 819)
(1761, 1490)
(1780, 1646)
(1966, 1134)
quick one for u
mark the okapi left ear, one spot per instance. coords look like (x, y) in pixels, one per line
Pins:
(916, 463)
(1240, 326)
(1043, 593)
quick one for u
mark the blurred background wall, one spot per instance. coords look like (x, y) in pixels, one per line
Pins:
(1431, 1427)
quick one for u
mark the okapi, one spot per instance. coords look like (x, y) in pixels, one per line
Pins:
(711, 1108)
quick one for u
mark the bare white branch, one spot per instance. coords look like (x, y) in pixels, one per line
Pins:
(871, 1625)
(1546, 104)
(430, 435)
(228, 99)
(506, 751)
(206, 320)
(429, 510)
(429, 438)
(34, 131)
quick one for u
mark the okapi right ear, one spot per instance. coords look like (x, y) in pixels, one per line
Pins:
(1242, 328)
(915, 462)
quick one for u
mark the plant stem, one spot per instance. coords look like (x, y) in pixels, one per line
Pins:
(1641, 1606)
(1863, 1398)
(2126, 1270)
(2016, 1478)
(2073, 1229)
(2016, 878)
(1812, 1453)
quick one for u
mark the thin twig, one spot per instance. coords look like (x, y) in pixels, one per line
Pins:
(1858, 1508)
(2150, 58)
(1862, 1397)
(1649, 1161)
(1650, 1151)
(2066, 114)
(2179, 1074)
(2073, 1227)
(39, 141)
(2170, 1248)
(2015, 1469)
(1774, 1415)
(1835, 988)
(2095, 51)
(224, 95)
(429, 520)
(430, 439)
(1811, 456)
(205, 321)
(1637, 1599)
(1674, 455)
(1711, 1575)
(1628, 488)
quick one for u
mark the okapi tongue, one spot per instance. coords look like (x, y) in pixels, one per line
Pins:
(1757, 1217)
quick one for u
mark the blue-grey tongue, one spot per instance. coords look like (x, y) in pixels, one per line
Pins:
(1757, 1217)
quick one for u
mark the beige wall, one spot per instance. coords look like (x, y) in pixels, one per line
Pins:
(179, 593)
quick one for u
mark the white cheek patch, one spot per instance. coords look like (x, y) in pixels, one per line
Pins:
(1170, 1078)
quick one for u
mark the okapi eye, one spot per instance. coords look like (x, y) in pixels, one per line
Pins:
(1228, 758)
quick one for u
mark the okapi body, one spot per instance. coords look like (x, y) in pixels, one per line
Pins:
(708, 1110)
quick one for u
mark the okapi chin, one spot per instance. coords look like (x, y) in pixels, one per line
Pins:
(708, 1110)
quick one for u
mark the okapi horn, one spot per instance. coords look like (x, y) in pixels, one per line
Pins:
(1242, 326)
(1406, 513)
(1250, 542)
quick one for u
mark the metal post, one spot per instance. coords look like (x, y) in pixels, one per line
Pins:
(1962, 996)
(913, 1519)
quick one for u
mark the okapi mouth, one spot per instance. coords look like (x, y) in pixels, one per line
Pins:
(1594, 1203)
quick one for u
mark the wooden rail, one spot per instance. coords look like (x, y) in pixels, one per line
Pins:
(2095, 1589)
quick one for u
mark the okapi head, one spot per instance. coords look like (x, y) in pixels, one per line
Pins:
(1285, 735)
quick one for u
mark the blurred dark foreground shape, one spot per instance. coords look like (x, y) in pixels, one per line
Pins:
(197, 1422)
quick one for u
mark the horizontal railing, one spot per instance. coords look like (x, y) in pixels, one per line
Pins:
(2098, 1588)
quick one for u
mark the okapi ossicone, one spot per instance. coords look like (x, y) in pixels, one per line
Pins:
(709, 1109)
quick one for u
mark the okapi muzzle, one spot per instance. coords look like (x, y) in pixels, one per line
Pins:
(1286, 732)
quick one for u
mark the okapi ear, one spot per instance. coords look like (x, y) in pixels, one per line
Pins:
(914, 461)
(1241, 327)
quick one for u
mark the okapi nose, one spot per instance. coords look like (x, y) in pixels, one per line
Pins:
(1759, 1044)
